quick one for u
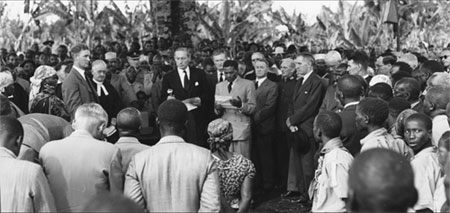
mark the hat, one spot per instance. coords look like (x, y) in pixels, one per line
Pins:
(278, 50)
(6, 79)
(173, 111)
(110, 55)
(380, 79)
(41, 73)
(333, 58)
(220, 130)
(319, 57)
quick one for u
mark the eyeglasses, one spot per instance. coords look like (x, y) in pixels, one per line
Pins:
(444, 57)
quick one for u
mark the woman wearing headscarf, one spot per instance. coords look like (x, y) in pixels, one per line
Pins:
(43, 97)
(236, 173)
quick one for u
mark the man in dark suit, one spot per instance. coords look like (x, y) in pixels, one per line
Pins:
(349, 92)
(308, 95)
(188, 84)
(107, 95)
(409, 89)
(219, 56)
(264, 123)
(286, 88)
(358, 65)
(77, 88)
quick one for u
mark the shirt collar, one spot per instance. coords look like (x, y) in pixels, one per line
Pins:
(431, 149)
(171, 139)
(261, 80)
(188, 72)
(376, 133)
(127, 139)
(351, 104)
(414, 104)
(330, 145)
(81, 71)
(4, 152)
(306, 76)
(97, 82)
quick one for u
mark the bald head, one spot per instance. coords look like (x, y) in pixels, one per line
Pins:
(128, 120)
(11, 134)
(381, 180)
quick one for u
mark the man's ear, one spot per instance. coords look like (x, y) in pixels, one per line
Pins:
(19, 140)
(366, 119)
(432, 107)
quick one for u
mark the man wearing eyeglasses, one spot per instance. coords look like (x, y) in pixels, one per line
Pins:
(445, 59)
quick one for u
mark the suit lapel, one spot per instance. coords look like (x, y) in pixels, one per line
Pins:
(304, 86)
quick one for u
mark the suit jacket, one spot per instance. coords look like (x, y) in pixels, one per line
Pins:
(129, 146)
(197, 121)
(266, 107)
(76, 91)
(286, 91)
(111, 102)
(211, 80)
(160, 179)
(329, 102)
(305, 104)
(350, 135)
(79, 167)
(38, 130)
(239, 118)
(24, 187)
(123, 88)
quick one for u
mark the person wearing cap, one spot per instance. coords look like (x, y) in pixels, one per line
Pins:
(335, 72)
(173, 175)
(119, 81)
(77, 88)
(189, 85)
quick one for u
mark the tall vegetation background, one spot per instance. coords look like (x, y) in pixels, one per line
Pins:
(351, 25)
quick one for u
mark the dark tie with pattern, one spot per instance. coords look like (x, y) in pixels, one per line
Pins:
(230, 84)
(299, 84)
(186, 80)
(256, 84)
(221, 77)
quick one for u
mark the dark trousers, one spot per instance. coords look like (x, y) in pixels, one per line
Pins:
(264, 154)
(280, 145)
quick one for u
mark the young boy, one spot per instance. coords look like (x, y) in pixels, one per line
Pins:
(329, 187)
(425, 163)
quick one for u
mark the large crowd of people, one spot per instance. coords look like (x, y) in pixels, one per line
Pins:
(179, 127)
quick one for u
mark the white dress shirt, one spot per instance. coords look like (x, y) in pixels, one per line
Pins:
(181, 74)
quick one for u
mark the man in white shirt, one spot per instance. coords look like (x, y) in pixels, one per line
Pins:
(434, 105)
(329, 187)
(425, 163)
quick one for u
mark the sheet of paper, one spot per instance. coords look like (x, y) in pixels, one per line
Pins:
(190, 106)
(224, 101)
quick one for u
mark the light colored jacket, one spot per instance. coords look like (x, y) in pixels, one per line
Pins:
(129, 146)
(239, 118)
(79, 167)
(23, 186)
(174, 176)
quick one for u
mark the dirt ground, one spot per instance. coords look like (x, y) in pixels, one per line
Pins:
(272, 202)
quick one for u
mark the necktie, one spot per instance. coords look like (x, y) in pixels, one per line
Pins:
(299, 83)
(221, 77)
(256, 84)
(229, 86)
(186, 80)
(101, 87)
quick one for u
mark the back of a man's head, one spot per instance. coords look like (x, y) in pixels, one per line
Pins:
(381, 180)
(129, 119)
(350, 86)
(438, 96)
(11, 133)
(90, 117)
(375, 109)
(112, 203)
(382, 91)
(329, 124)
(172, 116)
(431, 66)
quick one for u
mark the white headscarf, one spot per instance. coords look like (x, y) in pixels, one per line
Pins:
(6, 79)
(41, 73)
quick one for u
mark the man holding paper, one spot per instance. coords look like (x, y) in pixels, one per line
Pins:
(188, 85)
(235, 101)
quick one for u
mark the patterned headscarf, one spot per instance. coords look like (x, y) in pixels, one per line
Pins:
(220, 133)
(400, 122)
(41, 73)
(6, 79)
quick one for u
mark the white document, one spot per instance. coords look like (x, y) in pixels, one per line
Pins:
(190, 107)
